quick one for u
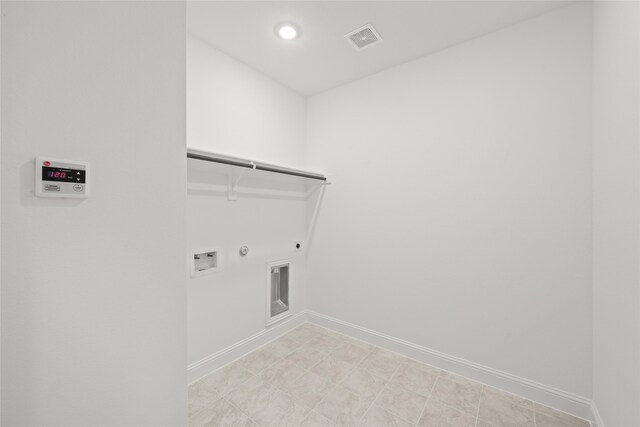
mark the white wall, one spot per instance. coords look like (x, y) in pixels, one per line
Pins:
(93, 291)
(460, 218)
(616, 273)
(235, 110)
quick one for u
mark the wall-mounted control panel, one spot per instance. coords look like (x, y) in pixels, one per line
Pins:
(61, 178)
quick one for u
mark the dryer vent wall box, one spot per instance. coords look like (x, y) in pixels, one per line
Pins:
(62, 178)
(278, 290)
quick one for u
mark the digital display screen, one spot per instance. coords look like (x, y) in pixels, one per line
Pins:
(63, 175)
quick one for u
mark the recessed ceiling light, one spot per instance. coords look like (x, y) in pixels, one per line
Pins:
(287, 31)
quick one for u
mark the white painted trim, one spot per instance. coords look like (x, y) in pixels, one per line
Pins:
(596, 419)
(562, 400)
(206, 365)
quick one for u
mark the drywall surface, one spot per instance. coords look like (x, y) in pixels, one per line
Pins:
(460, 212)
(235, 110)
(616, 273)
(93, 291)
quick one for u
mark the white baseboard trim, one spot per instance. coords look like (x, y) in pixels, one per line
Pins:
(568, 402)
(205, 366)
(596, 420)
(565, 401)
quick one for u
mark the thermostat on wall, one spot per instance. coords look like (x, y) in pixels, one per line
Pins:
(61, 178)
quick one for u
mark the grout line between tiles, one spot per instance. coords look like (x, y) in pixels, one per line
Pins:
(378, 395)
(536, 404)
(400, 384)
(433, 387)
(257, 374)
(308, 371)
(331, 349)
(479, 403)
(334, 385)
(279, 359)
(443, 370)
(240, 410)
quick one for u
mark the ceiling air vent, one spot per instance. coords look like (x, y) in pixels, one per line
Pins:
(364, 37)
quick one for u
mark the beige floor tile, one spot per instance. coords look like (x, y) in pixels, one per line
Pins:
(437, 414)
(347, 340)
(282, 347)
(332, 369)
(343, 342)
(504, 409)
(364, 383)
(200, 396)
(255, 362)
(283, 411)
(350, 353)
(220, 414)
(302, 334)
(363, 345)
(314, 419)
(342, 407)
(381, 364)
(283, 374)
(331, 333)
(378, 417)
(390, 354)
(416, 377)
(325, 341)
(402, 402)
(308, 355)
(506, 415)
(310, 388)
(422, 366)
(314, 328)
(226, 378)
(547, 417)
(458, 392)
(254, 396)
(490, 392)
(314, 377)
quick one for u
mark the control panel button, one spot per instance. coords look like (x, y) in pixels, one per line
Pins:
(78, 187)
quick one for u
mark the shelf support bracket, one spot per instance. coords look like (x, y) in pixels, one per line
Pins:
(314, 218)
(312, 188)
(233, 179)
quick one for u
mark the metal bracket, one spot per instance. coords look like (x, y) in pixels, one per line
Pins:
(312, 188)
(232, 182)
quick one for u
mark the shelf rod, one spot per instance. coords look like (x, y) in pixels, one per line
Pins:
(222, 160)
(285, 171)
(253, 165)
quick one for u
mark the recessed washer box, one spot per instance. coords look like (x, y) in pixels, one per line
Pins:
(62, 178)
(205, 261)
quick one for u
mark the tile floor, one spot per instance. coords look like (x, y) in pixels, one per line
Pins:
(315, 377)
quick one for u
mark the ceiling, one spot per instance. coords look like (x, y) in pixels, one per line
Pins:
(322, 58)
